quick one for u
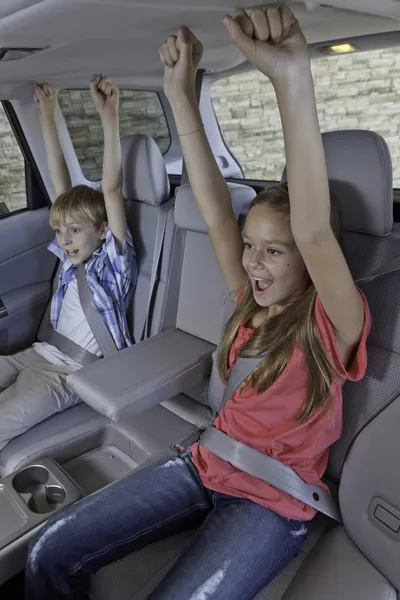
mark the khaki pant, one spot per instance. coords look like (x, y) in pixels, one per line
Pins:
(31, 390)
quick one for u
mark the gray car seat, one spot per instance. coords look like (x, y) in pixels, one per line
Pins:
(360, 558)
(147, 192)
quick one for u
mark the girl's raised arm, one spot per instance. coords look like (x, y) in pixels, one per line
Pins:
(273, 41)
(181, 56)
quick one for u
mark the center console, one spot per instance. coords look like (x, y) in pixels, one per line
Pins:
(27, 498)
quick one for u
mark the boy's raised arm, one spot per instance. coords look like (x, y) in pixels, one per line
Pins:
(106, 98)
(46, 100)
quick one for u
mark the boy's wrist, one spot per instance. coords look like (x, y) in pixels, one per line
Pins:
(110, 121)
(47, 119)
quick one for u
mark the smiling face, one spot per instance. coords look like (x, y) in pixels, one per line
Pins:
(79, 240)
(271, 258)
(79, 220)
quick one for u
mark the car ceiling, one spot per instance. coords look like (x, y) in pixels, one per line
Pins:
(121, 37)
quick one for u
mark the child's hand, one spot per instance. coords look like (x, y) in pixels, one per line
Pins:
(46, 100)
(181, 55)
(105, 96)
(272, 40)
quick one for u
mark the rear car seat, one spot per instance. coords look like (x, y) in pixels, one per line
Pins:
(146, 191)
(359, 166)
(96, 451)
(360, 558)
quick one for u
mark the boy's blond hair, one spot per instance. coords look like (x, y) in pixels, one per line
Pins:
(80, 203)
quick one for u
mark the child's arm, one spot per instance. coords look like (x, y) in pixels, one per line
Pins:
(46, 100)
(181, 56)
(106, 98)
(273, 41)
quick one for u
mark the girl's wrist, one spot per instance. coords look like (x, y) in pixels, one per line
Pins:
(297, 81)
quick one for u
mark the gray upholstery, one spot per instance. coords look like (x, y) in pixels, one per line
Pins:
(203, 294)
(62, 436)
(142, 210)
(144, 175)
(371, 411)
(145, 187)
(369, 492)
(360, 174)
(142, 221)
(362, 401)
(187, 214)
(203, 300)
(337, 569)
(139, 377)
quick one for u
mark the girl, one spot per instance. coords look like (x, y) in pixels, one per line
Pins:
(295, 297)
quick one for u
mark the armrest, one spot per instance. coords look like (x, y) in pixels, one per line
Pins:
(137, 378)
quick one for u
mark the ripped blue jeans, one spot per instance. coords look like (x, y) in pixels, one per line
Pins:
(239, 547)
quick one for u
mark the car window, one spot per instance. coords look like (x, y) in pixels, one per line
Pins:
(140, 112)
(358, 90)
(12, 169)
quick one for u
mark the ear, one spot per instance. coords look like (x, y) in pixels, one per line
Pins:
(103, 230)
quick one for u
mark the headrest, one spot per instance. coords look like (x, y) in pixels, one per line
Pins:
(360, 175)
(187, 215)
(145, 176)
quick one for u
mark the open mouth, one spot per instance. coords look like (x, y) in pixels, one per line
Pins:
(261, 285)
(72, 253)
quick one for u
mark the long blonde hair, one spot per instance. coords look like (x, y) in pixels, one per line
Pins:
(295, 326)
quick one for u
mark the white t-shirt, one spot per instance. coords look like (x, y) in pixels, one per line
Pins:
(73, 324)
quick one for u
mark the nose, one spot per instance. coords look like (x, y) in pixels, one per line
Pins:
(64, 238)
(256, 261)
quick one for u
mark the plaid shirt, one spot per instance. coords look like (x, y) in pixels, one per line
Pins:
(111, 277)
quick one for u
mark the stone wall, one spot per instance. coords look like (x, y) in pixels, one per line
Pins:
(353, 91)
(12, 168)
(140, 112)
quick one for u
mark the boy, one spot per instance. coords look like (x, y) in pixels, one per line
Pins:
(91, 230)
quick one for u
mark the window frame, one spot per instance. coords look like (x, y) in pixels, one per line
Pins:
(36, 193)
(366, 43)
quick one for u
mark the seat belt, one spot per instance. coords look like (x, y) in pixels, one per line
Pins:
(96, 323)
(48, 334)
(155, 267)
(261, 465)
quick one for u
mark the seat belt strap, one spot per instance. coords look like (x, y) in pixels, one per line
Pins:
(261, 465)
(270, 470)
(48, 334)
(240, 371)
(96, 323)
(67, 346)
(155, 267)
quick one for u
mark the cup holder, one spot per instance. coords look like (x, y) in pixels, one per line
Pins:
(46, 499)
(41, 498)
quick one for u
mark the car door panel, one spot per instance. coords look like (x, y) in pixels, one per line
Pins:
(26, 269)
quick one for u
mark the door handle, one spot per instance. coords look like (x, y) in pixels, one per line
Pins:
(3, 310)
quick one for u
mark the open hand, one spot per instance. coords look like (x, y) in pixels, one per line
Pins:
(105, 96)
(181, 55)
(271, 39)
(46, 100)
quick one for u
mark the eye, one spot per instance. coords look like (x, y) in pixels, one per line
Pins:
(248, 246)
(57, 231)
(75, 230)
(274, 252)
